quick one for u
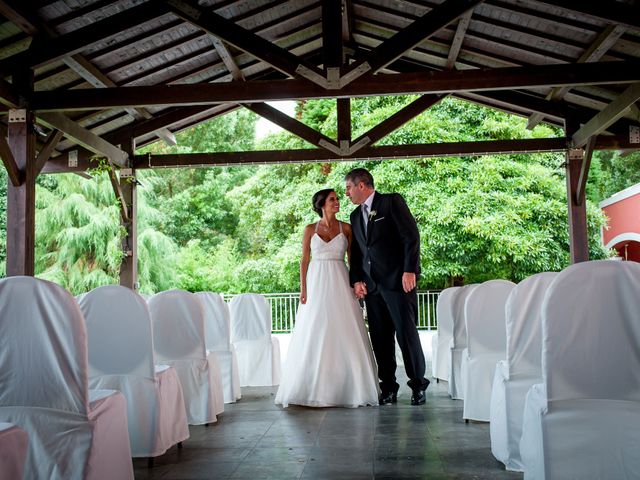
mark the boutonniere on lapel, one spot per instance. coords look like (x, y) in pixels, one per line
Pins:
(372, 214)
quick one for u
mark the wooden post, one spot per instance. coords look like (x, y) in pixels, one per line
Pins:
(128, 184)
(577, 207)
(21, 199)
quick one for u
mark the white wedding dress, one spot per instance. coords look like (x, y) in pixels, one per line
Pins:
(329, 362)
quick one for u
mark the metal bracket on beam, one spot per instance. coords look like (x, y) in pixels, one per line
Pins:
(333, 78)
(634, 134)
(576, 153)
(311, 75)
(355, 73)
(17, 115)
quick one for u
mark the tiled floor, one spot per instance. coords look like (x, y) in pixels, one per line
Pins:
(254, 439)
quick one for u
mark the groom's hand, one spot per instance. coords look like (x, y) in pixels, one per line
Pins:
(360, 289)
(408, 281)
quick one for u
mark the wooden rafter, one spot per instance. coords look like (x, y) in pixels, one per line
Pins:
(409, 37)
(84, 137)
(332, 40)
(47, 149)
(396, 120)
(226, 30)
(344, 122)
(292, 125)
(607, 38)
(117, 189)
(405, 83)
(456, 44)
(606, 117)
(584, 170)
(13, 172)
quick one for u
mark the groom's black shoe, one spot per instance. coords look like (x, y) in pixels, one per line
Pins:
(419, 397)
(388, 397)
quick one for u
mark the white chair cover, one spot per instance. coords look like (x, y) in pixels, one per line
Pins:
(121, 358)
(73, 432)
(258, 352)
(458, 341)
(442, 338)
(520, 370)
(582, 420)
(13, 451)
(486, 345)
(217, 326)
(177, 318)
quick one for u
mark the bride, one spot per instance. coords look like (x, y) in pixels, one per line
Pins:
(329, 361)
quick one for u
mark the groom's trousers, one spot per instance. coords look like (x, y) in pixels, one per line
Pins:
(388, 313)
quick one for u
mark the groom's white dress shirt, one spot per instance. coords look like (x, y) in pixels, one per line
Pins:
(366, 209)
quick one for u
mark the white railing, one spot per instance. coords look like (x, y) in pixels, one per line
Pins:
(285, 305)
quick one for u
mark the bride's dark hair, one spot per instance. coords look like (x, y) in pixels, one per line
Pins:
(319, 198)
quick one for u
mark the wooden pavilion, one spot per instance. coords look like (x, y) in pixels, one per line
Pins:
(87, 77)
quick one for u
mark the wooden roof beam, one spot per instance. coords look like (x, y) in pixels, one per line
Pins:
(228, 31)
(83, 137)
(607, 116)
(612, 12)
(397, 84)
(409, 37)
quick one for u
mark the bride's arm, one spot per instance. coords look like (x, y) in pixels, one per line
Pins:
(347, 231)
(304, 261)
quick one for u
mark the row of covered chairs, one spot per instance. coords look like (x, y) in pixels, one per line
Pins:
(565, 396)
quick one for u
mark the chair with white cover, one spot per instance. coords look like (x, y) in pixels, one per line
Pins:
(177, 318)
(486, 345)
(582, 420)
(521, 369)
(13, 451)
(458, 341)
(73, 432)
(258, 352)
(121, 358)
(442, 339)
(217, 333)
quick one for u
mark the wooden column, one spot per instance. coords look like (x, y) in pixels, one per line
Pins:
(129, 265)
(578, 234)
(21, 199)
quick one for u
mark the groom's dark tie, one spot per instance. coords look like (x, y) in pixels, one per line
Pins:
(365, 218)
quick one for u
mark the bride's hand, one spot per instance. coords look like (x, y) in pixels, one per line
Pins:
(303, 296)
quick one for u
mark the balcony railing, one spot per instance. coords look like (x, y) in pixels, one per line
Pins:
(285, 305)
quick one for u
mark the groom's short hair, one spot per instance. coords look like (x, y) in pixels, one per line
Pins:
(358, 175)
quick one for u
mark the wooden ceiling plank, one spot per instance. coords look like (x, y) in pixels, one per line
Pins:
(243, 39)
(605, 40)
(15, 175)
(19, 17)
(404, 83)
(407, 38)
(84, 137)
(456, 44)
(611, 12)
(83, 38)
(607, 116)
(47, 149)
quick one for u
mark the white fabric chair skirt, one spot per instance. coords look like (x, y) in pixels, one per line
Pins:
(159, 420)
(568, 439)
(66, 445)
(434, 355)
(228, 363)
(478, 373)
(13, 451)
(455, 387)
(259, 362)
(442, 339)
(505, 417)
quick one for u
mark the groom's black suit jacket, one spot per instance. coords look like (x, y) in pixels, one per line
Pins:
(390, 247)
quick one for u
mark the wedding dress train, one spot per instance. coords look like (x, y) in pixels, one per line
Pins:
(329, 362)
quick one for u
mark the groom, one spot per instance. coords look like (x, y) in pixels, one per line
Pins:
(385, 261)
